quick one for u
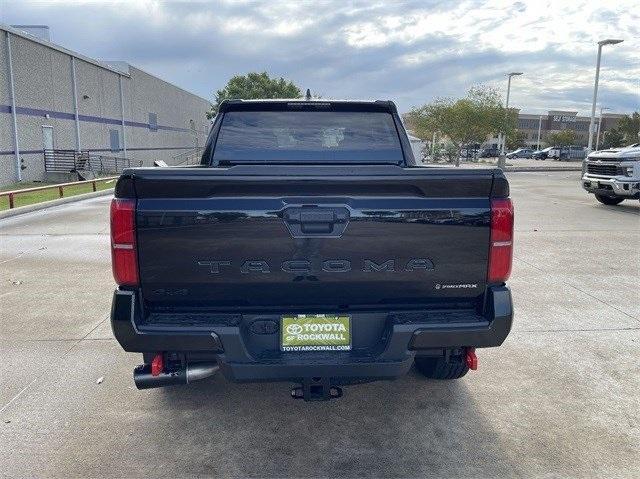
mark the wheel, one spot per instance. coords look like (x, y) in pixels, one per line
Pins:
(609, 200)
(438, 368)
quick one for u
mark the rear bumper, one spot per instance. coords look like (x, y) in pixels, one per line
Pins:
(385, 343)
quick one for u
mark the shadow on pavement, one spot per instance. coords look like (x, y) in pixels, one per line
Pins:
(410, 427)
(627, 206)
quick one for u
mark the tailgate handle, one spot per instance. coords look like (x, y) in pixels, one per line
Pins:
(317, 217)
(317, 221)
(309, 221)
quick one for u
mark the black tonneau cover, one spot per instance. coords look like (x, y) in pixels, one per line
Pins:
(436, 182)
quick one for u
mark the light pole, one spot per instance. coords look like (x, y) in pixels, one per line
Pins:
(503, 136)
(433, 146)
(602, 108)
(539, 130)
(601, 43)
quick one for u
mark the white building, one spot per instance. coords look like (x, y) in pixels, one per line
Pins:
(55, 99)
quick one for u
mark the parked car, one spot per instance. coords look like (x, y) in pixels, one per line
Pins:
(470, 152)
(520, 153)
(566, 153)
(489, 153)
(309, 247)
(541, 154)
(554, 153)
(613, 175)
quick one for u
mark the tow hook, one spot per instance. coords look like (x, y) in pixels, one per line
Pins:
(316, 389)
(471, 359)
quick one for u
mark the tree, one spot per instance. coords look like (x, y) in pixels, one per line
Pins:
(629, 128)
(613, 138)
(253, 86)
(463, 121)
(626, 132)
(515, 140)
(562, 138)
(420, 125)
(451, 152)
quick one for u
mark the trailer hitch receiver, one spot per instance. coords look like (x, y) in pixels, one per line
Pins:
(316, 389)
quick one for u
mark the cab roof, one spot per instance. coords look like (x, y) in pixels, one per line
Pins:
(298, 104)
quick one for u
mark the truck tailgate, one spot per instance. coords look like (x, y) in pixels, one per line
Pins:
(312, 237)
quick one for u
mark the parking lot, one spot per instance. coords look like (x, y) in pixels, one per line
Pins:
(561, 397)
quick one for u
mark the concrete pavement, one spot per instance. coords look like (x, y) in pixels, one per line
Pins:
(560, 397)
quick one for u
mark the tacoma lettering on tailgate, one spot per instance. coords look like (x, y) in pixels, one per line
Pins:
(303, 266)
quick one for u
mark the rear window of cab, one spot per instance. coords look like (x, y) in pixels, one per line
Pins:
(307, 136)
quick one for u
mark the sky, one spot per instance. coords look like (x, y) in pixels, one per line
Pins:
(411, 52)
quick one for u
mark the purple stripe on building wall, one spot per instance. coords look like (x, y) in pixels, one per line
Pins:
(145, 149)
(20, 110)
(22, 152)
(96, 150)
(98, 119)
(87, 118)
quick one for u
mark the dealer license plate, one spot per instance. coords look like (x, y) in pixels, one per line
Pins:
(315, 332)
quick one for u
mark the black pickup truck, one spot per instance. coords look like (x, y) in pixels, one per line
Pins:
(308, 247)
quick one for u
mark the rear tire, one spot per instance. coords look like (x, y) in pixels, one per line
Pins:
(609, 200)
(438, 368)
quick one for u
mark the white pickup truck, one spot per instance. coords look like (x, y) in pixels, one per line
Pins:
(613, 175)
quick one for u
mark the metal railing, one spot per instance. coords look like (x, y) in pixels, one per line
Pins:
(61, 186)
(65, 161)
(103, 164)
(190, 157)
(71, 161)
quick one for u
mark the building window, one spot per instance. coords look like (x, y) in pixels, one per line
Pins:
(153, 121)
(114, 140)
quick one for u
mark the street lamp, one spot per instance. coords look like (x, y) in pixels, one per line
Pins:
(503, 137)
(602, 108)
(601, 43)
(539, 130)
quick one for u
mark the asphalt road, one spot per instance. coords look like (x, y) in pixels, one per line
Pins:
(561, 397)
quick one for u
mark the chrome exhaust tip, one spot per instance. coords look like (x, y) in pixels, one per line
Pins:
(143, 378)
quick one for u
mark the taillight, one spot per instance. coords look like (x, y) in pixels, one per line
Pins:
(501, 249)
(124, 258)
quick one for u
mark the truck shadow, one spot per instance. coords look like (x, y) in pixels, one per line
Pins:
(631, 207)
(409, 427)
